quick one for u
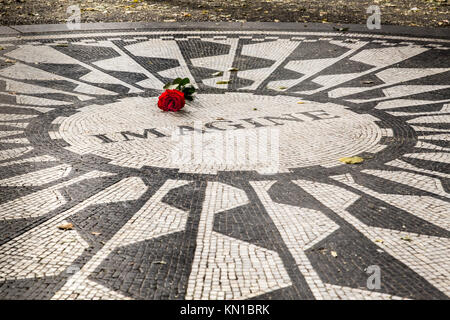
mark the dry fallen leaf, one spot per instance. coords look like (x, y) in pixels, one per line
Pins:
(282, 88)
(379, 240)
(220, 118)
(96, 233)
(62, 45)
(301, 102)
(10, 61)
(334, 254)
(217, 74)
(223, 82)
(233, 69)
(67, 226)
(351, 160)
(406, 238)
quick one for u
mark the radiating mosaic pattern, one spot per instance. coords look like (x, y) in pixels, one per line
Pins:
(82, 142)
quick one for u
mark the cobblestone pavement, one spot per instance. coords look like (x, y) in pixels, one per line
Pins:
(83, 142)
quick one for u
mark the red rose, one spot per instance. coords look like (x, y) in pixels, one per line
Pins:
(171, 100)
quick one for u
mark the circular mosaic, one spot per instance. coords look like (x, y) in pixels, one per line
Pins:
(239, 195)
(133, 132)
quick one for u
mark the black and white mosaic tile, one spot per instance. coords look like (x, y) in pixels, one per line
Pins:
(82, 142)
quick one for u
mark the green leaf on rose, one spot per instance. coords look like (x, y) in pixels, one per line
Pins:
(177, 81)
(185, 81)
(182, 85)
(190, 89)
